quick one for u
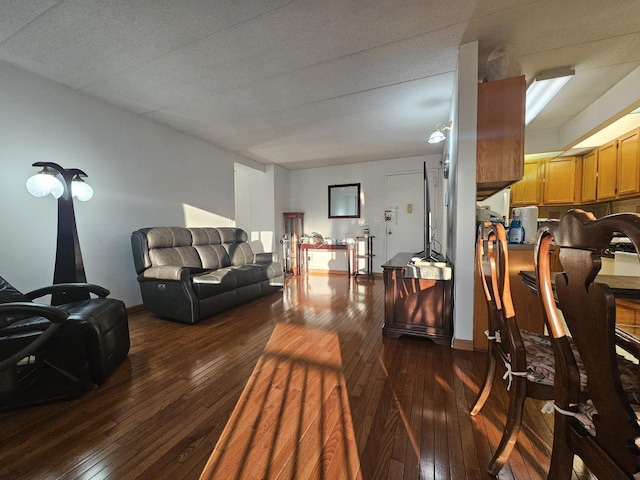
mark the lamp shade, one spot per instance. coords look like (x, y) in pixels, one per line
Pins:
(44, 183)
(436, 137)
(81, 190)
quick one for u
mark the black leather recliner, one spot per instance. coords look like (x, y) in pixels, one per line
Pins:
(48, 353)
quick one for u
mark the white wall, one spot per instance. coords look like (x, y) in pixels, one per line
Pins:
(282, 196)
(254, 207)
(143, 173)
(261, 198)
(309, 190)
(463, 191)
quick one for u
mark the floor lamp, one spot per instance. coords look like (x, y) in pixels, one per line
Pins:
(64, 184)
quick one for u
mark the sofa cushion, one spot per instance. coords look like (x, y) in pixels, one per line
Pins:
(232, 235)
(183, 256)
(247, 274)
(240, 253)
(213, 256)
(172, 246)
(162, 237)
(205, 236)
(215, 282)
(268, 270)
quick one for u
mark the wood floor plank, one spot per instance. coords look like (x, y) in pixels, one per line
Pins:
(163, 411)
(441, 432)
(467, 440)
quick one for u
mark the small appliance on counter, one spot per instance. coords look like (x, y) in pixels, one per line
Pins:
(516, 231)
(528, 218)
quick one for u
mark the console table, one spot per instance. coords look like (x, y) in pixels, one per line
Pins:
(344, 247)
(417, 301)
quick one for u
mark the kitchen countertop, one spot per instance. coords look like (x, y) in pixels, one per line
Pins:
(521, 246)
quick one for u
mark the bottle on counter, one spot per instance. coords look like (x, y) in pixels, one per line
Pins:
(516, 230)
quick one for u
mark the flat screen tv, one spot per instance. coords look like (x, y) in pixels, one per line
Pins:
(427, 254)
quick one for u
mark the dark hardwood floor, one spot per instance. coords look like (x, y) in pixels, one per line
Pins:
(161, 413)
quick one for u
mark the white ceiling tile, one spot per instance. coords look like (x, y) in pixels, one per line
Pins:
(312, 82)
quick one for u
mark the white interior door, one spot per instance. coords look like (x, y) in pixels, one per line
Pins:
(404, 214)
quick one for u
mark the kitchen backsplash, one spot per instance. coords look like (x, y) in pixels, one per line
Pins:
(599, 209)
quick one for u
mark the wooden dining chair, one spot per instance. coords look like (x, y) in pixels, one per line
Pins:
(603, 431)
(526, 356)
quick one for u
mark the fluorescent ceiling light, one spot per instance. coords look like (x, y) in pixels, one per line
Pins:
(543, 88)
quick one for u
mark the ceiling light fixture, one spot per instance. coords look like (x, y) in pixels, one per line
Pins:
(438, 136)
(543, 88)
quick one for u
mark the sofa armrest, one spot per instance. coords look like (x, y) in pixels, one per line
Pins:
(62, 288)
(16, 311)
(167, 272)
(267, 257)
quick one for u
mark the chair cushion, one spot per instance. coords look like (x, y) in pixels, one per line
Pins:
(540, 360)
(541, 364)
(587, 413)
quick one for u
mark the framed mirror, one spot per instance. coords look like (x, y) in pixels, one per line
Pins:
(344, 201)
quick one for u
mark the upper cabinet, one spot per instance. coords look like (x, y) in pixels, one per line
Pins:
(589, 177)
(629, 164)
(613, 170)
(562, 181)
(528, 190)
(607, 171)
(549, 181)
(500, 147)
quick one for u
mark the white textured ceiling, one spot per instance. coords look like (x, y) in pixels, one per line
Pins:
(312, 82)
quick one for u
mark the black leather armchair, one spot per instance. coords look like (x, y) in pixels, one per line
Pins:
(48, 353)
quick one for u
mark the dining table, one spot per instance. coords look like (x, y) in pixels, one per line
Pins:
(626, 291)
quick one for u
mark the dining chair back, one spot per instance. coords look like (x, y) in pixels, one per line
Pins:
(527, 357)
(603, 431)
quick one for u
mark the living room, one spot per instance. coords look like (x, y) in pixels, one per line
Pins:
(145, 173)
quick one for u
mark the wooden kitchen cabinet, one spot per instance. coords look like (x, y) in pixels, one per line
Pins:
(628, 164)
(500, 135)
(607, 171)
(527, 191)
(589, 176)
(562, 181)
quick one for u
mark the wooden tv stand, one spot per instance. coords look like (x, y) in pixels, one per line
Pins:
(416, 306)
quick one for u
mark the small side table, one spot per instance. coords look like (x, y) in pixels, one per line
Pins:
(364, 250)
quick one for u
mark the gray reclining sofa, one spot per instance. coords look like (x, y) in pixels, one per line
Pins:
(187, 274)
